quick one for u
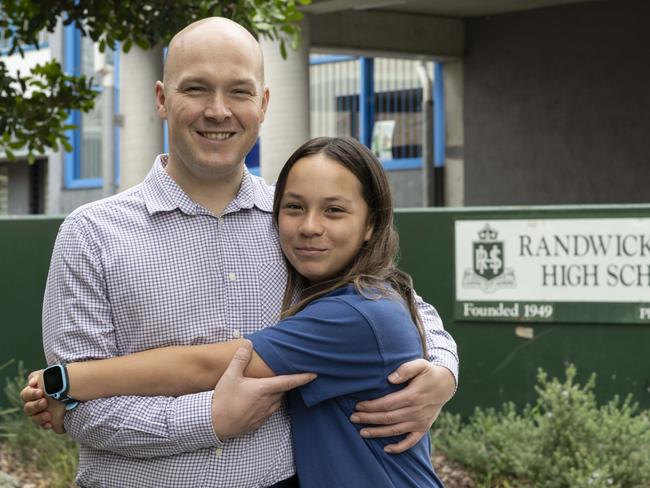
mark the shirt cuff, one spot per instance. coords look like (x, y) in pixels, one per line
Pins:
(447, 359)
(191, 421)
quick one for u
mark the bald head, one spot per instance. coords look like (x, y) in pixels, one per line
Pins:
(216, 31)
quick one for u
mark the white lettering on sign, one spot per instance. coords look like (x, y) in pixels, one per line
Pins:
(488, 311)
(644, 313)
(553, 260)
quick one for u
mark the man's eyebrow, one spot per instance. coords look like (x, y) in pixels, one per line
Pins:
(244, 81)
(241, 82)
(191, 79)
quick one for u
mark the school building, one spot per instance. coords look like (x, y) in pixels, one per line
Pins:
(467, 103)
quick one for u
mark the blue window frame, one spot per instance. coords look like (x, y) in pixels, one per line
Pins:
(82, 166)
(72, 174)
(6, 42)
(374, 99)
(116, 110)
(253, 159)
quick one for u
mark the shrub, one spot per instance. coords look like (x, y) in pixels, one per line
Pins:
(564, 440)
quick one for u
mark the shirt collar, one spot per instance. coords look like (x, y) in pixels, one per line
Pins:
(162, 194)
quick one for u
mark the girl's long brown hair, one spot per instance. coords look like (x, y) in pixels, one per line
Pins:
(374, 267)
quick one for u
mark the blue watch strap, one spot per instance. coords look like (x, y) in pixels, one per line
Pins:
(62, 395)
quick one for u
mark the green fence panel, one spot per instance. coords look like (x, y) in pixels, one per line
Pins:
(25, 250)
(497, 365)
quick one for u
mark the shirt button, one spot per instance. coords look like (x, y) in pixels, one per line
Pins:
(232, 276)
(220, 220)
(218, 451)
(236, 333)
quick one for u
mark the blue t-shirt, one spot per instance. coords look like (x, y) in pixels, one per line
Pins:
(352, 343)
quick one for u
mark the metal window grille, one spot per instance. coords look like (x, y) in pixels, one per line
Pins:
(335, 97)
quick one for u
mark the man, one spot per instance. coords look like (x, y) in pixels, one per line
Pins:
(191, 256)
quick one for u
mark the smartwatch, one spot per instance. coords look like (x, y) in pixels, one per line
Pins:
(55, 379)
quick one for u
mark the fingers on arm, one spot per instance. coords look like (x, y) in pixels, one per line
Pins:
(393, 401)
(405, 444)
(410, 395)
(240, 360)
(411, 438)
(32, 379)
(408, 371)
(287, 382)
(43, 419)
(30, 394)
(416, 417)
(35, 407)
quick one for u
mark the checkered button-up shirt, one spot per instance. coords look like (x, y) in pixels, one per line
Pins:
(151, 268)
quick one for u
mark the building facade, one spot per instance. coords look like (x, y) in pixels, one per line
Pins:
(540, 102)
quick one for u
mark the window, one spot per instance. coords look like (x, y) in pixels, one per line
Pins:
(83, 166)
(389, 89)
(6, 43)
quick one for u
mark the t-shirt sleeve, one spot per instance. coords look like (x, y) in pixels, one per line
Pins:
(330, 338)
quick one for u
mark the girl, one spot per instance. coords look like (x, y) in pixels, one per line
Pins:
(349, 316)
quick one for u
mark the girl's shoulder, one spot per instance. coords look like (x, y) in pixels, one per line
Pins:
(370, 301)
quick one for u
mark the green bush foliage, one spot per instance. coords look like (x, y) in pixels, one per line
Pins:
(564, 440)
(41, 450)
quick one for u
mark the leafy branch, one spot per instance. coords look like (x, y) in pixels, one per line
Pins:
(34, 108)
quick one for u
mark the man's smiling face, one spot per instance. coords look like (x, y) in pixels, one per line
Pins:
(213, 100)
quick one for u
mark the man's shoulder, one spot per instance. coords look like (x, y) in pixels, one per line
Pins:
(261, 188)
(128, 202)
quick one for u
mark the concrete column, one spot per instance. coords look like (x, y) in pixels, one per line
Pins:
(108, 146)
(287, 120)
(454, 159)
(142, 133)
(54, 179)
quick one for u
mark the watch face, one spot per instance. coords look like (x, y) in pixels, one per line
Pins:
(53, 379)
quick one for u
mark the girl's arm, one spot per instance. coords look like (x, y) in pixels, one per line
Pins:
(168, 371)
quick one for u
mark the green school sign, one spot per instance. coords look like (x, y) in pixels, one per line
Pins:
(578, 270)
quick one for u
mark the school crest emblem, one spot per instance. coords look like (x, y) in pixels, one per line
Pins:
(488, 270)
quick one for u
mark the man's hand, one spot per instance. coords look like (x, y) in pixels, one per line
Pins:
(47, 414)
(241, 404)
(410, 411)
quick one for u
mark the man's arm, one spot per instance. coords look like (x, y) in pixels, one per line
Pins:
(77, 325)
(432, 383)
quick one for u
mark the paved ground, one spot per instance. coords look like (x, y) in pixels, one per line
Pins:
(450, 474)
(18, 472)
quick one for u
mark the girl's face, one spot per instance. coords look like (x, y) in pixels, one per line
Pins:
(323, 218)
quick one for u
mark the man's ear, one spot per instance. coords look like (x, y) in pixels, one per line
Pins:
(160, 100)
(266, 94)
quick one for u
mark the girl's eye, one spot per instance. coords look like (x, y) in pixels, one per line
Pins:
(335, 210)
(292, 206)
